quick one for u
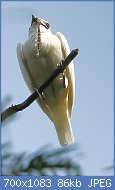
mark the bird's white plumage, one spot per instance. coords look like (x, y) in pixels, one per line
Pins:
(36, 69)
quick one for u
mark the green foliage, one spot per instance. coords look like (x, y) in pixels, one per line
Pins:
(46, 161)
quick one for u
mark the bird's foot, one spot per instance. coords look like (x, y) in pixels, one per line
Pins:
(41, 95)
(63, 74)
(64, 80)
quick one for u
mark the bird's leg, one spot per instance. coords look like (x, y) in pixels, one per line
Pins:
(64, 82)
(63, 74)
(41, 95)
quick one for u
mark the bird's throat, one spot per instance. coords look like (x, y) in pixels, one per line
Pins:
(38, 40)
(41, 40)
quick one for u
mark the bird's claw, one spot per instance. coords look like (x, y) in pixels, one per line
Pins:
(64, 83)
(41, 95)
(60, 65)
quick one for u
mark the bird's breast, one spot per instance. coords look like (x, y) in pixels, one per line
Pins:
(42, 66)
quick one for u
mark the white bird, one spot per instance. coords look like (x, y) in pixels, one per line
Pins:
(38, 58)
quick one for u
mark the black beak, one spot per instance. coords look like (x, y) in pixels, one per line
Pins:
(34, 19)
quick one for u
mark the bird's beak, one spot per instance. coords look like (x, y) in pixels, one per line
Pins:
(34, 19)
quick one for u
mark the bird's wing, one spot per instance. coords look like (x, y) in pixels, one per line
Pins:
(28, 77)
(69, 71)
(24, 67)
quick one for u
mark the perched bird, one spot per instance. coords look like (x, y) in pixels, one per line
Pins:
(38, 57)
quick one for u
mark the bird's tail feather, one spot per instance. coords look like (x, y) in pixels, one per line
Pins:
(64, 132)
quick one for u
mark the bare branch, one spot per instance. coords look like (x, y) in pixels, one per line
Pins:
(19, 107)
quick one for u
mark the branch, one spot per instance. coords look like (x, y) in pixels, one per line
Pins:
(19, 107)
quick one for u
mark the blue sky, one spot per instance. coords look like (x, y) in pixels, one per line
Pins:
(89, 27)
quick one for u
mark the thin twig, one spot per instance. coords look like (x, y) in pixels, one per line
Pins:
(19, 107)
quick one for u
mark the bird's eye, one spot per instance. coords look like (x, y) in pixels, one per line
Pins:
(47, 25)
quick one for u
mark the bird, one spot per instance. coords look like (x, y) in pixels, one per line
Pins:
(40, 54)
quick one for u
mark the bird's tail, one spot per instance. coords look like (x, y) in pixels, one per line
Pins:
(64, 132)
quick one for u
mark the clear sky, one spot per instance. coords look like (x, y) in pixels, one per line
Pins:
(89, 27)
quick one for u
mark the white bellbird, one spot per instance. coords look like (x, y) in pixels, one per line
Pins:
(38, 58)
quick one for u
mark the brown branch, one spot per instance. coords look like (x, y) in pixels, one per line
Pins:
(19, 107)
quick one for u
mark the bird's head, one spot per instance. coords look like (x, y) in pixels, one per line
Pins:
(39, 23)
(38, 32)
